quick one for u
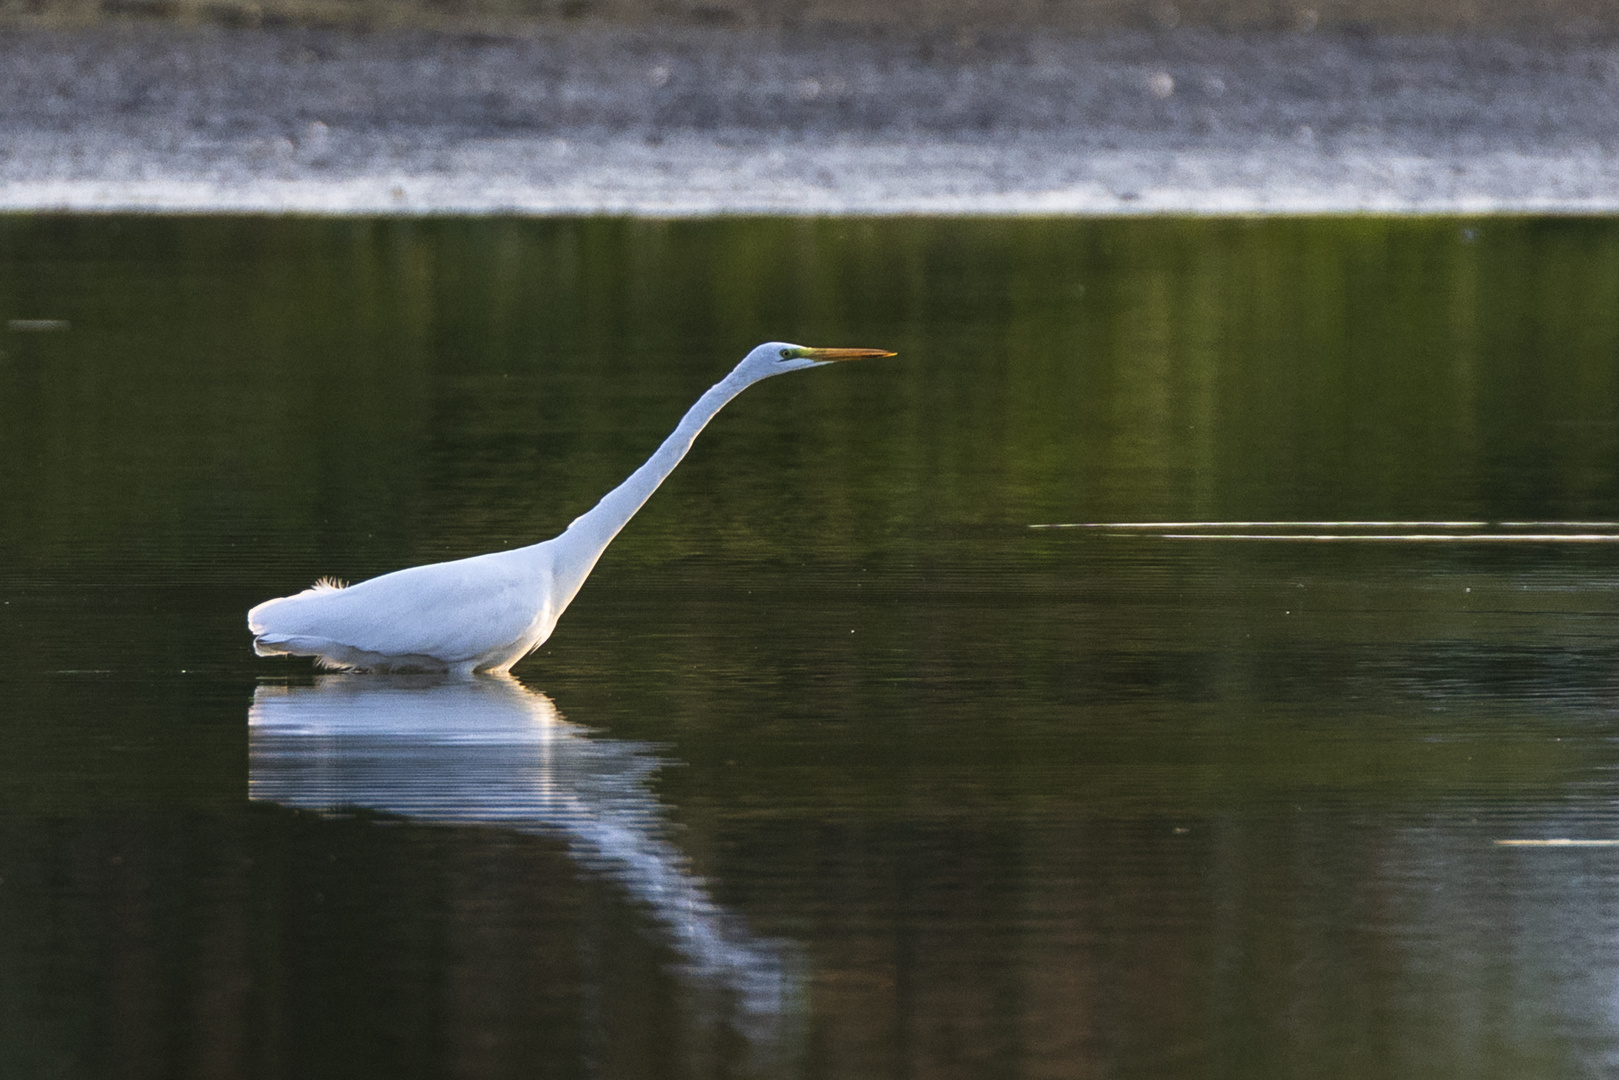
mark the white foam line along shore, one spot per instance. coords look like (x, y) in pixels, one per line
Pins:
(1557, 842)
(696, 176)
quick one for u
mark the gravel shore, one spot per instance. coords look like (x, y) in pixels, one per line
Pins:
(693, 121)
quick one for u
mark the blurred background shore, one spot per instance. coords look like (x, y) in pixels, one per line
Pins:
(1560, 17)
(681, 107)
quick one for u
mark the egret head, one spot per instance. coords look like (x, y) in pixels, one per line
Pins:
(777, 357)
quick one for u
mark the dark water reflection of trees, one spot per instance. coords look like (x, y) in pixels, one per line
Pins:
(1023, 802)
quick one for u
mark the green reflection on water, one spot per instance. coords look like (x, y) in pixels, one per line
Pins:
(441, 386)
(242, 405)
(925, 743)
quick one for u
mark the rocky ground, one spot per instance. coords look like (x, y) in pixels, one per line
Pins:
(694, 120)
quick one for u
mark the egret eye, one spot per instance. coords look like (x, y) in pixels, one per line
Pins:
(786, 354)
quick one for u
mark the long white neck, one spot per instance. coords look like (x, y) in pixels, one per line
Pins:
(575, 552)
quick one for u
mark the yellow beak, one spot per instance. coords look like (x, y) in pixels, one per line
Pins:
(844, 354)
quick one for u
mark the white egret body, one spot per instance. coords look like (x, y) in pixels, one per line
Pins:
(488, 612)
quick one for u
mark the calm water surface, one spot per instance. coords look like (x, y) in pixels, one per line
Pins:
(836, 768)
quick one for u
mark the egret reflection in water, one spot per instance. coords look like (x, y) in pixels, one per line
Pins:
(488, 751)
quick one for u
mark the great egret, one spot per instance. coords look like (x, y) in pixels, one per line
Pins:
(488, 612)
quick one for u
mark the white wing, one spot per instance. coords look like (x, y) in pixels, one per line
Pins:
(451, 612)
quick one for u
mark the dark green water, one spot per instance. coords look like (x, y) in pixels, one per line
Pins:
(859, 775)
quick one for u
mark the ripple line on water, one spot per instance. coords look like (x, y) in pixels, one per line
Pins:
(1447, 538)
(1148, 526)
(1465, 532)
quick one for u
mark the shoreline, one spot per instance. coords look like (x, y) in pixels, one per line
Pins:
(690, 122)
(721, 188)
